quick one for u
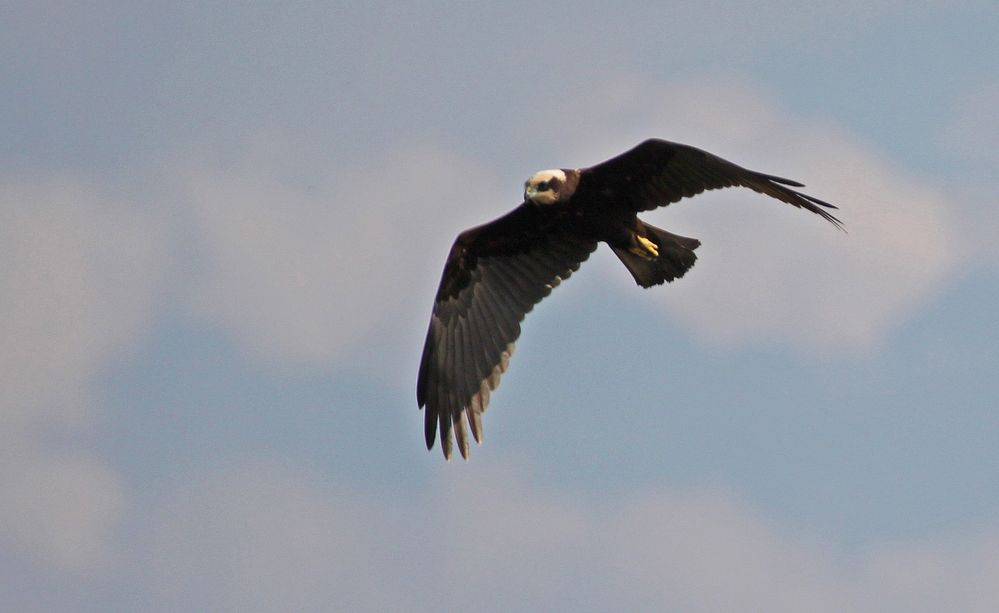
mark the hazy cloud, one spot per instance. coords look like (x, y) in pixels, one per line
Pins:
(348, 146)
(79, 277)
(765, 269)
(303, 273)
(260, 536)
(59, 507)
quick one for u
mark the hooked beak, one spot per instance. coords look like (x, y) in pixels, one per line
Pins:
(530, 192)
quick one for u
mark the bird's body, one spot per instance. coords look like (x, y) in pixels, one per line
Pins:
(495, 273)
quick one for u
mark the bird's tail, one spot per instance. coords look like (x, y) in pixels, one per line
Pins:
(676, 257)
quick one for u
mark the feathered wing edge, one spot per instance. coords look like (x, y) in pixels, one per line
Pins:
(658, 172)
(472, 334)
(774, 187)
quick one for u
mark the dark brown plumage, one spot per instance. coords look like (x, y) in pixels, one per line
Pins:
(496, 272)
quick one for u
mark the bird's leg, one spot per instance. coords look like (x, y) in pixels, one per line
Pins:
(645, 248)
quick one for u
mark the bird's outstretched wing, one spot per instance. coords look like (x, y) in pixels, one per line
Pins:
(657, 172)
(495, 274)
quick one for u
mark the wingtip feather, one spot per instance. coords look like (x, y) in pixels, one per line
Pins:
(445, 423)
(461, 434)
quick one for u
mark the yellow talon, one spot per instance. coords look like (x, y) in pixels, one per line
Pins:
(647, 249)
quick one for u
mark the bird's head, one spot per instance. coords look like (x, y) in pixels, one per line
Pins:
(545, 187)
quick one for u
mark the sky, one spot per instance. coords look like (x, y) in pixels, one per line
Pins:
(221, 231)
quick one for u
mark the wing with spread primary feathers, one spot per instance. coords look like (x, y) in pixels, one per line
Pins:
(658, 172)
(494, 276)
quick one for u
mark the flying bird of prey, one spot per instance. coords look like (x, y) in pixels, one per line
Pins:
(495, 273)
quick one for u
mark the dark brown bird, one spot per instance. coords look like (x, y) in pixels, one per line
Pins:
(496, 272)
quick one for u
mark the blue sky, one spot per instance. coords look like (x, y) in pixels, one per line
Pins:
(221, 229)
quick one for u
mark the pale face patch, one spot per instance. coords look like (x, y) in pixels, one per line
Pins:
(543, 187)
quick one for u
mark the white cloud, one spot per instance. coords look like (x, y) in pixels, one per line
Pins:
(59, 507)
(260, 536)
(79, 278)
(767, 271)
(784, 274)
(78, 281)
(255, 537)
(704, 551)
(951, 574)
(295, 273)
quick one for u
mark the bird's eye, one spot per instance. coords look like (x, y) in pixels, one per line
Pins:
(543, 186)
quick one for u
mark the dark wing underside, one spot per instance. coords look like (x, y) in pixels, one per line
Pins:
(494, 276)
(658, 172)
